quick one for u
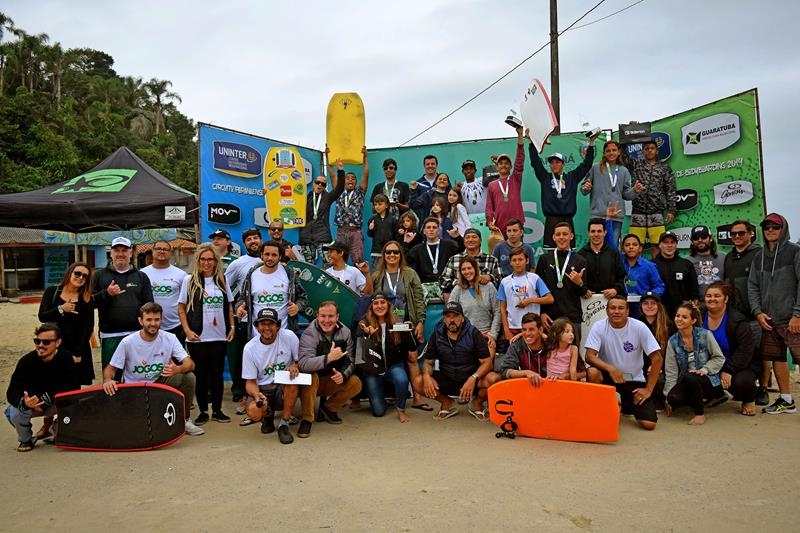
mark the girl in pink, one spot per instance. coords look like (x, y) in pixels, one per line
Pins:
(562, 355)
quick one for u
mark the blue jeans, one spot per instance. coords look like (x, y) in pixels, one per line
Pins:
(617, 229)
(21, 420)
(397, 376)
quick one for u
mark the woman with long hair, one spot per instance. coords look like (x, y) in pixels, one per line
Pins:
(403, 287)
(70, 305)
(398, 350)
(458, 214)
(732, 331)
(205, 309)
(609, 183)
(479, 302)
(692, 364)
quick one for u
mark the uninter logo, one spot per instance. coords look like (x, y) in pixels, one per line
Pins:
(237, 159)
(710, 134)
(105, 180)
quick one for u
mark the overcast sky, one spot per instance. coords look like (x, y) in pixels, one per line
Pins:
(269, 68)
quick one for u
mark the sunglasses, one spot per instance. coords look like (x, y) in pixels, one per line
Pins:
(768, 227)
(276, 229)
(738, 233)
(391, 252)
(45, 342)
(80, 275)
(320, 183)
(701, 236)
(389, 168)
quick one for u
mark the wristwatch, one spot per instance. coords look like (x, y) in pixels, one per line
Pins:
(476, 376)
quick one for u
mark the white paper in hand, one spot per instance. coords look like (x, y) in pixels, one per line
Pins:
(282, 378)
(537, 114)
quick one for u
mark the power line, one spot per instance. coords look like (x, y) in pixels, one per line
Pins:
(515, 67)
(608, 16)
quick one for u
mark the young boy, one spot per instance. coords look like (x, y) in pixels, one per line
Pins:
(382, 227)
(520, 292)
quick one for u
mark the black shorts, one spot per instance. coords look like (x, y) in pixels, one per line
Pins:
(449, 386)
(643, 411)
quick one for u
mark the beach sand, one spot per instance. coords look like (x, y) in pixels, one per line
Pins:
(735, 473)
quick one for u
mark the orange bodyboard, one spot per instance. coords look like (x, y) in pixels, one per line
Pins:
(558, 410)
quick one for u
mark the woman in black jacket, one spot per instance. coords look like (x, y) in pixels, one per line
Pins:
(732, 331)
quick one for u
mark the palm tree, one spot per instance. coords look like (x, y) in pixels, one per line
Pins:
(159, 95)
(56, 62)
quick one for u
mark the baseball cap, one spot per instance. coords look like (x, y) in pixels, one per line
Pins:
(668, 235)
(337, 245)
(472, 230)
(651, 295)
(267, 314)
(121, 241)
(504, 156)
(556, 155)
(454, 307)
(700, 231)
(379, 296)
(220, 233)
(772, 218)
(468, 163)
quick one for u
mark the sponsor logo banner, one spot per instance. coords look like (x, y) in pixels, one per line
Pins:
(733, 192)
(684, 237)
(237, 159)
(224, 213)
(105, 180)
(686, 199)
(724, 235)
(710, 134)
(662, 139)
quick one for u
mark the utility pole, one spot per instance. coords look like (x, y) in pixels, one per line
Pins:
(555, 98)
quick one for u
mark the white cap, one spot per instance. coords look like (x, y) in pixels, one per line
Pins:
(121, 241)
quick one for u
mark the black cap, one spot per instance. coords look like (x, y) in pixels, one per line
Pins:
(468, 163)
(650, 294)
(668, 235)
(453, 307)
(337, 245)
(699, 231)
(473, 230)
(267, 314)
(220, 233)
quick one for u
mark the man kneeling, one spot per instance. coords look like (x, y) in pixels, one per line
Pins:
(465, 366)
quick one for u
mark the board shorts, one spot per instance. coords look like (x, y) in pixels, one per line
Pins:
(647, 227)
(775, 343)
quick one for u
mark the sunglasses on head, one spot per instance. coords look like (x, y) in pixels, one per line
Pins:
(45, 342)
(80, 275)
(391, 252)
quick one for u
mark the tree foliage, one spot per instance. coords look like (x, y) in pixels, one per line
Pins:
(64, 111)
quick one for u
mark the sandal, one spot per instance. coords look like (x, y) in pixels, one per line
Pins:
(479, 415)
(26, 446)
(422, 407)
(246, 421)
(444, 414)
(748, 410)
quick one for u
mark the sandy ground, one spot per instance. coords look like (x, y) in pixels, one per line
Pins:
(733, 474)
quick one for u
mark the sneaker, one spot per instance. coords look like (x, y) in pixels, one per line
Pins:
(191, 429)
(267, 425)
(304, 430)
(762, 396)
(201, 419)
(284, 435)
(219, 416)
(331, 416)
(780, 406)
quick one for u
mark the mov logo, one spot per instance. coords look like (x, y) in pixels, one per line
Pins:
(224, 214)
(686, 199)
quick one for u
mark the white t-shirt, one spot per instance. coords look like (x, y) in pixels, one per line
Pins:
(167, 284)
(237, 270)
(624, 347)
(142, 361)
(474, 196)
(515, 288)
(260, 361)
(213, 310)
(350, 276)
(270, 291)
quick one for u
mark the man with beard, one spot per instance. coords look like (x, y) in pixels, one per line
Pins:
(677, 273)
(119, 291)
(234, 275)
(349, 216)
(221, 240)
(465, 366)
(616, 346)
(709, 264)
(317, 231)
(604, 270)
(291, 252)
(148, 355)
(37, 378)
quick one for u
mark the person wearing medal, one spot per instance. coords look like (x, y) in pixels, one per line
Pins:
(609, 183)
(559, 188)
(562, 271)
(349, 214)
(520, 293)
(474, 191)
(430, 257)
(396, 191)
(503, 196)
(317, 231)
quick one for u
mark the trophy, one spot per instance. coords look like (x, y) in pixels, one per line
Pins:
(513, 120)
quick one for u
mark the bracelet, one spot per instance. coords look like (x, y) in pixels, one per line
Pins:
(476, 376)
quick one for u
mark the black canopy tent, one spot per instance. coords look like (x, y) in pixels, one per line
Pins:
(120, 193)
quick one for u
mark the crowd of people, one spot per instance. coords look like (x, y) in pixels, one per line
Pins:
(679, 332)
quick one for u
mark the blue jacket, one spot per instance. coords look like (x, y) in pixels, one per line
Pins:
(459, 359)
(642, 277)
(707, 353)
(552, 205)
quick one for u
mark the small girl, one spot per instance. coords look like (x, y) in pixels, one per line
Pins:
(458, 214)
(439, 210)
(562, 355)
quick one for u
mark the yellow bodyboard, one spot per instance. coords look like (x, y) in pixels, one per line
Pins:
(285, 186)
(346, 130)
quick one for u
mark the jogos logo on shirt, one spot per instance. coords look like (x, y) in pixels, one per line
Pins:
(161, 290)
(212, 301)
(272, 300)
(271, 369)
(148, 369)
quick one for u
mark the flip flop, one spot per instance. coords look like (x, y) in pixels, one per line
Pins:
(246, 421)
(479, 415)
(444, 414)
(26, 446)
(422, 407)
